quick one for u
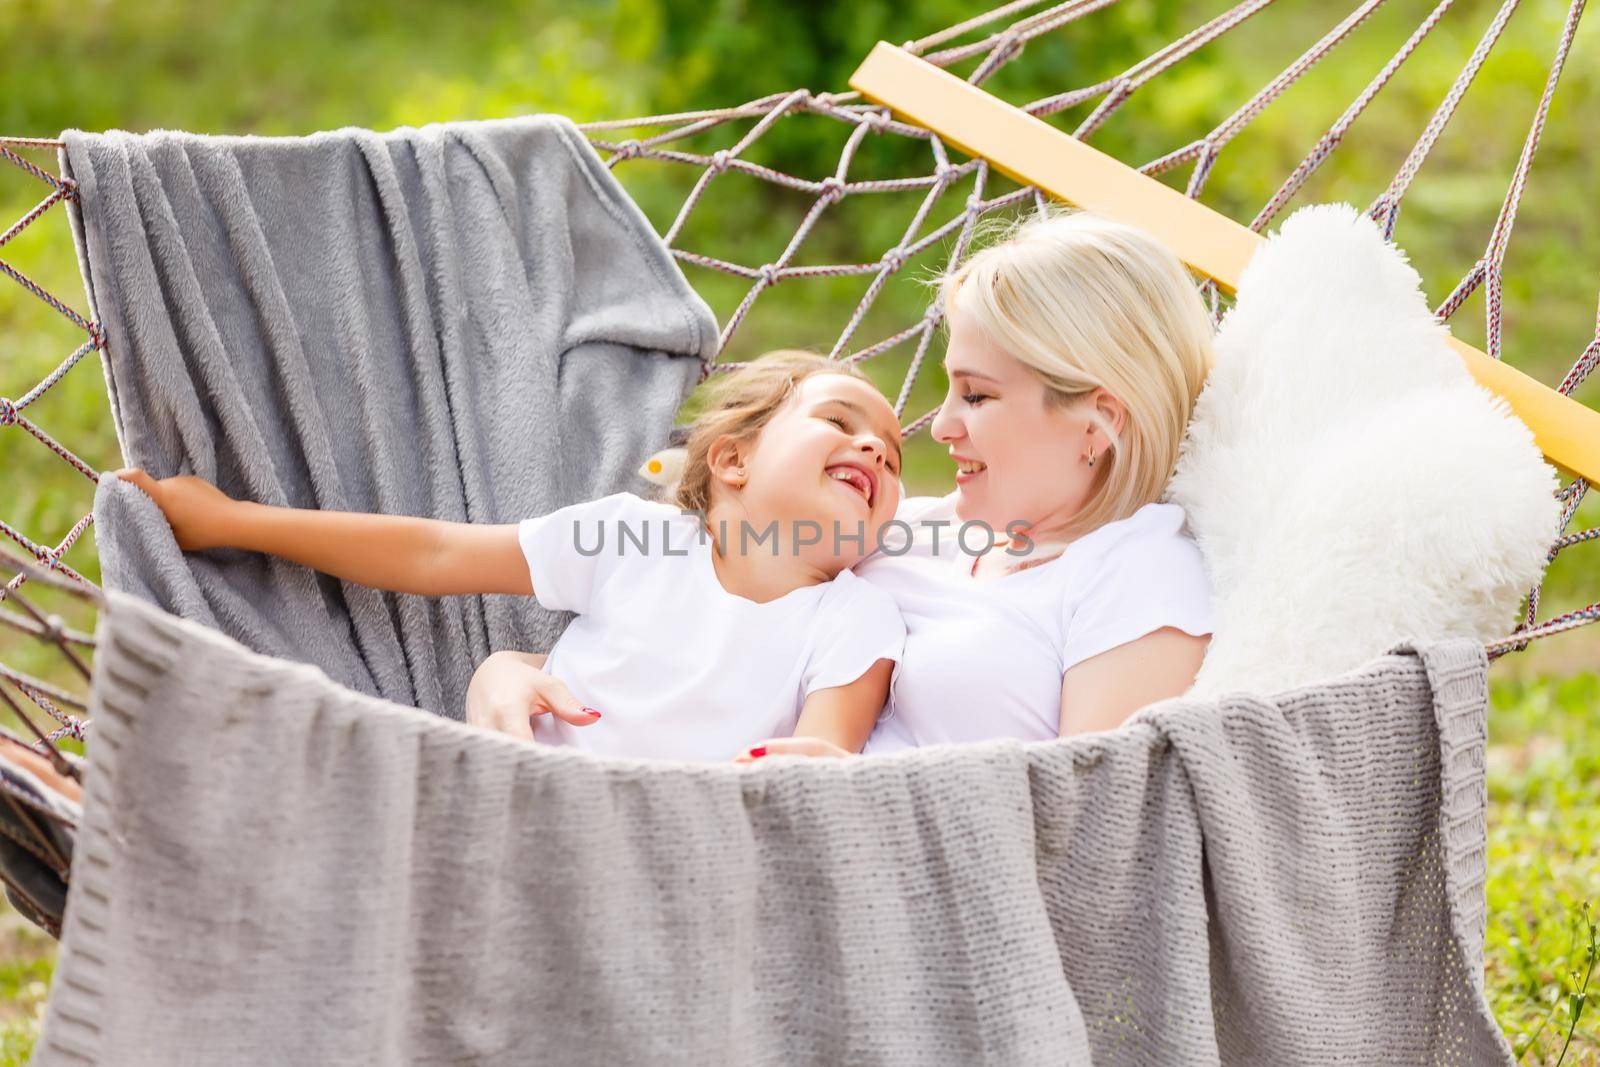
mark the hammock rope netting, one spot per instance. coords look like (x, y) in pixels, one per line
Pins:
(993, 50)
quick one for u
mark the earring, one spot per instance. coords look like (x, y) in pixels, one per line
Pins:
(1091, 457)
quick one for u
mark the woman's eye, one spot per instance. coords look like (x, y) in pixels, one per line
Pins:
(974, 398)
(838, 420)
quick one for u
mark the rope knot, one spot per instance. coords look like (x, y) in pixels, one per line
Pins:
(719, 160)
(833, 189)
(974, 203)
(97, 334)
(933, 314)
(1009, 44)
(944, 173)
(894, 259)
(8, 412)
(769, 273)
(878, 121)
(629, 149)
(1384, 211)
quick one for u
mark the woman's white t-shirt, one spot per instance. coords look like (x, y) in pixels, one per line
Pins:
(679, 667)
(984, 658)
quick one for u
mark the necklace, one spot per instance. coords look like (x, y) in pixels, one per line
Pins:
(1034, 559)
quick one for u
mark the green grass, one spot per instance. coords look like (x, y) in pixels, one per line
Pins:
(27, 958)
(1544, 870)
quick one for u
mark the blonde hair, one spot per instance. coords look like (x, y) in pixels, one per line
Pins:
(1086, 303)
(741, 404)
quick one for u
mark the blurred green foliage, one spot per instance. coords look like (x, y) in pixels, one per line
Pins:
(277, 69)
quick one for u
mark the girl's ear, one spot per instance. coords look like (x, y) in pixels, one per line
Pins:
(726, 459)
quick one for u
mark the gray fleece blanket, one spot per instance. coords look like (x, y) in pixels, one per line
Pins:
(468, 321)
(272, 869)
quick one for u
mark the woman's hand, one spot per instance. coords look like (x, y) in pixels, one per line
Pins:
(192, 506)
(509, 688)
(792, 746)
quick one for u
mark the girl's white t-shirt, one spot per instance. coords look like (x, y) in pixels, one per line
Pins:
(679, 667)
(984, 658)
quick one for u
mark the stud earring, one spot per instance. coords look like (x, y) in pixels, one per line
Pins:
(1091, 457)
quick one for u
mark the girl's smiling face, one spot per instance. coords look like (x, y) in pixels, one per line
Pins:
(1020, 456)
(830, 455)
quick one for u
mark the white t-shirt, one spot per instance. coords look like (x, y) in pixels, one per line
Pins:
(984, 658)
(679, 667)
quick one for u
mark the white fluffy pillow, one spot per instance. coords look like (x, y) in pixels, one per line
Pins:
(1350, 485)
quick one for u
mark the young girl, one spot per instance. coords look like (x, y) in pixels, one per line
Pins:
(694, 646)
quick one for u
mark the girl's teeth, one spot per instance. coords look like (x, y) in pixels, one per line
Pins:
(849, 479)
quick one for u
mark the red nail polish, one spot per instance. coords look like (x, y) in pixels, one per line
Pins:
(758, 751)
(591, 711)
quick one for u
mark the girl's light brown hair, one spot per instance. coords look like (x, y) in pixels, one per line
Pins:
(741, 404)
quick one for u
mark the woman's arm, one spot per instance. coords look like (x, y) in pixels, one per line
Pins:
(509, 688)
(835, 721)
(394, 552)
(1102, 691)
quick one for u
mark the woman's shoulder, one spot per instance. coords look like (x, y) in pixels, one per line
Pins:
(1149, 575)
(1150, 558)
(1157, 530)
(1147, 555)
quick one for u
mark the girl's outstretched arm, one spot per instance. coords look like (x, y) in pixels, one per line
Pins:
(394, 552)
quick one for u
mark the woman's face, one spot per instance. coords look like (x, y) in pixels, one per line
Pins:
(1018, 458)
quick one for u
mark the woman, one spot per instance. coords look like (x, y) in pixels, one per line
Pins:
(1077, 348)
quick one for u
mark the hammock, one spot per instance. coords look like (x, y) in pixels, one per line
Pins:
(419, 891)
(1197, 233)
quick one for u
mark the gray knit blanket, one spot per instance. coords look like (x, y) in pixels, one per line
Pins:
(272, 869)
(470, 321)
